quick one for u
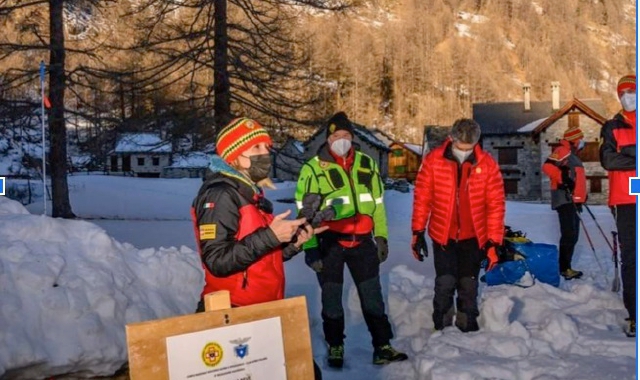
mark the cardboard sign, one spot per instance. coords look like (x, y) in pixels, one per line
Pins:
(252, 350)
(279, 344)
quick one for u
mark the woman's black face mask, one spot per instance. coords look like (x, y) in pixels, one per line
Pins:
(260, 167)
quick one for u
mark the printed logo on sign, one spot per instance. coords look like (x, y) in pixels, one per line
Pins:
(212, 354)
(2, 181)
(241, 349)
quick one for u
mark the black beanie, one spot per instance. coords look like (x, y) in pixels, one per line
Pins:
(339, 121)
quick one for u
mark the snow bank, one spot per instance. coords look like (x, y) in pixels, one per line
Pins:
(67, 290)
(541, 332)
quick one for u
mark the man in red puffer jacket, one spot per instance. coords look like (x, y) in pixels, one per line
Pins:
(460, 192)
(618, 156)
(568, 193)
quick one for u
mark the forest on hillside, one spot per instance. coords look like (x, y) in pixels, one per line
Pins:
(396, 65)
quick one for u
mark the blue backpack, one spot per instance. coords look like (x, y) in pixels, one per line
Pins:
(519, 256)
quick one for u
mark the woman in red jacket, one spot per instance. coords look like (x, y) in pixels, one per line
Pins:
(460, 192)
(241, 243)
(568, 193)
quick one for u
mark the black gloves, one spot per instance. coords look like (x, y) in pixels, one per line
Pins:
(419, 245)
(567, 182)
(383, 248)
(311, 203)
(313, 259)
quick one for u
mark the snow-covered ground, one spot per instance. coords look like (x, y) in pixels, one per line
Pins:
(67, 288)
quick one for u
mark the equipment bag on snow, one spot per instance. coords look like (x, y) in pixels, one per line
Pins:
(519, 256)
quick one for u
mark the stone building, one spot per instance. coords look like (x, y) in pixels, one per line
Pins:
(139, 154)
(521, 135)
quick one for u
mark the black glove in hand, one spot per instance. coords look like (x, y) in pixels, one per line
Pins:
(313, 259)
(383, 248)
(419, 246)
(310, 204)
(567, 182)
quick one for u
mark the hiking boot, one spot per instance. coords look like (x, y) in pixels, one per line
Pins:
(466, 323)
(387, 354)
(630, 329)
(570, 274)
(336, 356)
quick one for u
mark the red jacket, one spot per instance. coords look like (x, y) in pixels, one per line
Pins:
(435, 196)
(618, 156)
(553, 169)
(239, 252)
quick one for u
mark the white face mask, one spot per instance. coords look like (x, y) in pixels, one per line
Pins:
(341, 147)
(628, 101)
(461, 155)
(581, 145)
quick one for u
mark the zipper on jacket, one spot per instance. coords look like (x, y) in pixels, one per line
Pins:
(245, 280)
(353, 192)
(459, 167)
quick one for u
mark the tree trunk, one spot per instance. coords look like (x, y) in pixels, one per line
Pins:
(57, 129)
(221, 83)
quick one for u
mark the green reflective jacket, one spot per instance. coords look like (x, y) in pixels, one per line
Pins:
(358, 191)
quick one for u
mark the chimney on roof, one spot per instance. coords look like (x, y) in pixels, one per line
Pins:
(555, 96)
(526, 88)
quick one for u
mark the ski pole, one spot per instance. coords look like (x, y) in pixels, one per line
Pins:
(598, 225)
(615, 285)
(584, 228)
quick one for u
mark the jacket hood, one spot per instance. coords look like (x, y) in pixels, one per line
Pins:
(221, 171)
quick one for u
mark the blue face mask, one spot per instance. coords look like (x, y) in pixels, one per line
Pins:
(581, 145)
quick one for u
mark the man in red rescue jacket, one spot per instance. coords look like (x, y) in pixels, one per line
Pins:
(460, 192)
(568, 193)
(618, 157)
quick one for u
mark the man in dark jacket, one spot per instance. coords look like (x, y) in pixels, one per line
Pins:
(460, 192)
(568, 192)
(618, 157)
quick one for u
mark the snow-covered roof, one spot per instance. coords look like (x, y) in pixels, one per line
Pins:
(417, 149)
(368, 136)
(299, 145)
(142, 143)
(531, 126)
(190, 160)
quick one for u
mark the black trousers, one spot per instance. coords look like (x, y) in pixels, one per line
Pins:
(364, 266)
(457, 267)
(625, 216)
(569, 233)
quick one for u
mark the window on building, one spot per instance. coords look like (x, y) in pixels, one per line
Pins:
(508, 156)
(156, 161)
(511, 186)
(590, 152)
(140, 161)
(400, 169)
(397, 152)
(595, 185)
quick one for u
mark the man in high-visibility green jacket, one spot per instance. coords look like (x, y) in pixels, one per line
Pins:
(349, 181)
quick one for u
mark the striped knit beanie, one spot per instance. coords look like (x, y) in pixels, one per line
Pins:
(239, 135)
(627, 82)
(573, 134)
